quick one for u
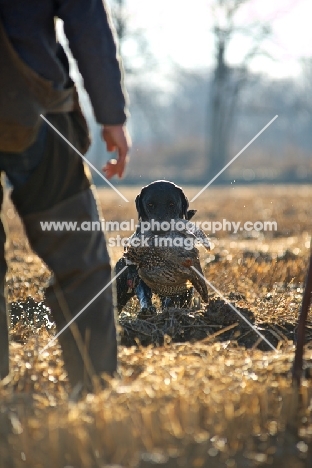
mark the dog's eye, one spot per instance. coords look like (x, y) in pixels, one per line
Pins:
(151, 205)
(171, 204)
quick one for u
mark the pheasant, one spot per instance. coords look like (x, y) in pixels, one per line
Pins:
(164, 261)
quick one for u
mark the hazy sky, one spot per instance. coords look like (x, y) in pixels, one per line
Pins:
(180, 31)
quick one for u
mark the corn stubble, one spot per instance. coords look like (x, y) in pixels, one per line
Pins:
(197, 387)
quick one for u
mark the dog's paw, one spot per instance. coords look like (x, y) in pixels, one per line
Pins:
(147, 312)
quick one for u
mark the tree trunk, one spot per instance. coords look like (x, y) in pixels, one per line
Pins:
(219, 124)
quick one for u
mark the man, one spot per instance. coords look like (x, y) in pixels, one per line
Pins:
(48, 177)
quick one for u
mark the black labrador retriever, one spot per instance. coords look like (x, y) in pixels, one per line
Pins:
(159, 201)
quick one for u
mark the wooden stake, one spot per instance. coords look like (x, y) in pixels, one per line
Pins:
(305, 305)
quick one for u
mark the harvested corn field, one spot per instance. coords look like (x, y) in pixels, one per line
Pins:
(198, 387)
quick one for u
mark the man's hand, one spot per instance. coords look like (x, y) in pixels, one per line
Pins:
(117, 139)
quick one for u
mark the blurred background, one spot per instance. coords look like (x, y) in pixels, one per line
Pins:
(203, 78)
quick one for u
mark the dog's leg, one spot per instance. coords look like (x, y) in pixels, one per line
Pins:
(176, 301)
(186, 298)
(144, 294)
(183, 300)
(125, 283)
(167, 301)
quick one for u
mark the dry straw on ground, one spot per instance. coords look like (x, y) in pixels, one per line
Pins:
(197, 387)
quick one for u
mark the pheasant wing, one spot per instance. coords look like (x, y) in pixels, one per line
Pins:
(197, 281)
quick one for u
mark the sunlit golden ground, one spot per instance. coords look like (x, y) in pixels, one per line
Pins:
(203, 391)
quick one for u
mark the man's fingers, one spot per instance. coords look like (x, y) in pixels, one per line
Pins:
(117, 139)
(114, 167)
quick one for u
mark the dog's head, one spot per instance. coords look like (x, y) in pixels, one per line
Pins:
(162, 201)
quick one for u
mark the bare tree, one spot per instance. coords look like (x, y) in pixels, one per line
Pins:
(140, 56)
(228, 81)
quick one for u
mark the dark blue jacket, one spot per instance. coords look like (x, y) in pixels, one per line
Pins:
(31, 29)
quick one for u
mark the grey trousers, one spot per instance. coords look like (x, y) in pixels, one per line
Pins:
(58, 189)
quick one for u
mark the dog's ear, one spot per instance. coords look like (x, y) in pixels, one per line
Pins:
(139, 206)
(190, 214)
(185, 203)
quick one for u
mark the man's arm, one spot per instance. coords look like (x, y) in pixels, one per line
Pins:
(89, 32)
(117, 139)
